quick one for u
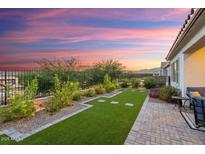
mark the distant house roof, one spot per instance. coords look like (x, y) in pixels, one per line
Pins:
(164, 65)
(191, 19)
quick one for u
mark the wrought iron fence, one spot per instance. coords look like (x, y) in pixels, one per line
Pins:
(13, 82)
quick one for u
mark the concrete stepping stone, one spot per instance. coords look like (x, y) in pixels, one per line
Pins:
(113, 102)
(129, 104)
(101, 100)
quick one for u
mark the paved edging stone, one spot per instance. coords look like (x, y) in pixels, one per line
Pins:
(130, 137)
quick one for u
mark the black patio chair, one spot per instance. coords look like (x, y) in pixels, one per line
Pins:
(199, 111)
(201, 90)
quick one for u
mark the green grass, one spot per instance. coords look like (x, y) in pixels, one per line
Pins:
(5, 140)
(104, 123)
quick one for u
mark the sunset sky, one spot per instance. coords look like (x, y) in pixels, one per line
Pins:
(139, 38)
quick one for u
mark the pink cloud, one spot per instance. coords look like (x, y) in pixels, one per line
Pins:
(126, 14)
(86, 58)
(41, 31)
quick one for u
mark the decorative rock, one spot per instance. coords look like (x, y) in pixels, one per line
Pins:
(129, 104)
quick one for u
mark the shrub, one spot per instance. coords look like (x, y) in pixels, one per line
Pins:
(90, 92)
(76, 96)
(62, 94)
(167, 92)
(116, 83)
(31, 90)
(21, 106)
(99, 89)
(150, 82)
(107, 80)
(161, 83)
(108, 84)
(125, 83)
(17, 109)
(135, 82)
(109, 88)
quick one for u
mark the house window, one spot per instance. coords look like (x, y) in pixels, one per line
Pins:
(175, 71)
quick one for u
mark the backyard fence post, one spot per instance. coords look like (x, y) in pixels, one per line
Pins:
(5, 90)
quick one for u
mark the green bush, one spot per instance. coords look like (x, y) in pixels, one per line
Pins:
(161, 83)
(116, 84)
(125, 83)
(62, 94)
(135, 82)
(31, 90)
(150, 82)
(108, 84)
(110, 87)
(106, 80)
(45, 82)
(21, 106)
(167, 92)
(17, 109)
(76, 96)
(90, 92)
(99, 89)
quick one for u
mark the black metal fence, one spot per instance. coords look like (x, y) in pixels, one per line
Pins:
(13, 82)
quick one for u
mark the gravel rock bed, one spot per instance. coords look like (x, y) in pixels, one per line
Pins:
(40, 119)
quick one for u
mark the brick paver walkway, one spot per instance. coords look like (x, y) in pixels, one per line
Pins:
(159, 123)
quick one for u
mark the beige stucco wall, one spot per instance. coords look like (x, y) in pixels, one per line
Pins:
(194, 65)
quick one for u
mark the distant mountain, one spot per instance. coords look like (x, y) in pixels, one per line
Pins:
(149, 71)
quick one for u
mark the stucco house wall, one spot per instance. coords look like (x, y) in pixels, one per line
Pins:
(186, 60)
(195, 68)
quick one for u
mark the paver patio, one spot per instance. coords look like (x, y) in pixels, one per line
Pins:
(159, 123)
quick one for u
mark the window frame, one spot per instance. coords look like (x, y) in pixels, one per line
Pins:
(175, 71)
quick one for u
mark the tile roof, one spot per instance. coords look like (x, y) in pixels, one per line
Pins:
(191, 18)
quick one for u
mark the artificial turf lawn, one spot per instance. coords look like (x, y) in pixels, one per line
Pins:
(104, 123)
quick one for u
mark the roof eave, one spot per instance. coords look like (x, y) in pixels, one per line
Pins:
(182, 34)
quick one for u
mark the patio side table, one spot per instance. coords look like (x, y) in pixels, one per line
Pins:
(179, 101)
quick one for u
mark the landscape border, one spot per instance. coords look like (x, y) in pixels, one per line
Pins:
(17, 136)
